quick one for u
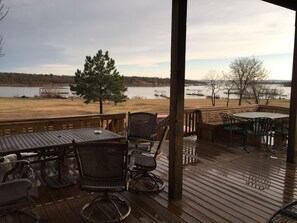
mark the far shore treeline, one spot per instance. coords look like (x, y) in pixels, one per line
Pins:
(36, 80)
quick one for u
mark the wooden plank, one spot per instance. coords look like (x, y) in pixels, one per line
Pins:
(177, 83)
(292, 143)
(67, 212)
(215, 189)
(54, 214)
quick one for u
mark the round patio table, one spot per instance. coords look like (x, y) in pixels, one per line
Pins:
(277, 141)
(252, 115)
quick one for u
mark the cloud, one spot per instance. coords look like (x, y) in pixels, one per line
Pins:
(40, 34)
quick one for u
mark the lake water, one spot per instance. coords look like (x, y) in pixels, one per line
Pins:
(139, 92)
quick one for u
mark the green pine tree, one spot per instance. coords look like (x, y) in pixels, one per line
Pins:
(99, 81)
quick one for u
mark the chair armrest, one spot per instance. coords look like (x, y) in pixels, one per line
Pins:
(153, 136)
(10, 167)
(15, 165)
(141, 145)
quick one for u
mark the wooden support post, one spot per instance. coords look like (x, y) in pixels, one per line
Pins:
(177, 82)
(292, 144)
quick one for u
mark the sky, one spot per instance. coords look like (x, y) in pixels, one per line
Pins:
(55, 36)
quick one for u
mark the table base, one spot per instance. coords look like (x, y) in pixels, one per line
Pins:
(56, 181)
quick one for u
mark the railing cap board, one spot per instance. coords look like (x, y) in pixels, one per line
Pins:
(44, 124)
(216, 108)
(82, 117)
(211, 114)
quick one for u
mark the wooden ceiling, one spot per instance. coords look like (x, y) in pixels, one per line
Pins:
(290, 4)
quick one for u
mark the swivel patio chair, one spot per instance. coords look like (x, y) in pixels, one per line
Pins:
(103, 168)
(17, 192)
(259, 127)
(142, 178)
(288, 213)
(141, 130)
(281, 130)
(231, 125)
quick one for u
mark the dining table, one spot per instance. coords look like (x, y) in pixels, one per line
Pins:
(277, 117)
(54, 143)
(253, 115)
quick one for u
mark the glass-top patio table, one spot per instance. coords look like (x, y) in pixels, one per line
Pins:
(253, 115)
(275, 116)
(56, 142)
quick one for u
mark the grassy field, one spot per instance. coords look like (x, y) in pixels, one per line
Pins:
(23, 108)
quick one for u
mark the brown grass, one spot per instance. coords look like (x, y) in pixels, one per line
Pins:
(23, 108)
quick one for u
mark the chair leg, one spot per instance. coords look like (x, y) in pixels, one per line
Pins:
(31, 214)
(268, 143)
(245, 143)
(142, 179)
(91, 213)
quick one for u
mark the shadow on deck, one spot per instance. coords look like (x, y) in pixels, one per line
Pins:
(220, 184)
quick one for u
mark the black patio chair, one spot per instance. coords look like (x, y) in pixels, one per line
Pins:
(288, 213)
(231, 125)
(103, 168)
(141, 130)
(142, 178)
(259, 127)
(17, 191)
(281, 130)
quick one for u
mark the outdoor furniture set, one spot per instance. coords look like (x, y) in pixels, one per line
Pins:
(110, 163)
(107, 163)
(264, 125)
(211, 126)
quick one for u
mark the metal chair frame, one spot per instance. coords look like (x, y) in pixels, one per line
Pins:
(103, 168)
(17, 191)
(141, 129)
(259, 127)
(281, 128)
(144, 164)
(288, 213)
(230, 125)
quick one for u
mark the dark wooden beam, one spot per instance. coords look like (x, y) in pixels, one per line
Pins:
(177, 82)
(290, 4)
(292, 145)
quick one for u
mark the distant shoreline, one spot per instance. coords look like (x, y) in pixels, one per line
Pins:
(67, 84)
(32, 85)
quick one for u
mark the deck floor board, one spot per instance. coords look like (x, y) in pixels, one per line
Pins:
(220, 184)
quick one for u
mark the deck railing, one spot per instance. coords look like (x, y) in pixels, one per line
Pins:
(112, 122)
(203, 121)
(193, 120)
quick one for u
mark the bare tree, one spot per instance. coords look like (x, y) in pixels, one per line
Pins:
(229, 86)
(246, 73)
(255, 91)
(272, 94)
(3, 13)
(215, 81)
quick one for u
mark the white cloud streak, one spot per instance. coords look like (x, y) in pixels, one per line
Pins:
(54, 36)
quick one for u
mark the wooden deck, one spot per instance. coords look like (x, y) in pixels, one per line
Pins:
(222, 184)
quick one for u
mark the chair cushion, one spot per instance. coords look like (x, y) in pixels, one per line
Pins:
(282, 131)
(233, 128)
(145, 161)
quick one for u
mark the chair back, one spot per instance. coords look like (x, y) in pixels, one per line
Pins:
(17, 189)
(261, 126)
(141, 125)
(158, 152)
(228, 120)
(102, 165)
(281, 127)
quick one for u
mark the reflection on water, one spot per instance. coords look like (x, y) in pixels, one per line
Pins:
(138, 92)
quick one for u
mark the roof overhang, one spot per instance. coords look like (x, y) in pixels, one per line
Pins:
(290, 4)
